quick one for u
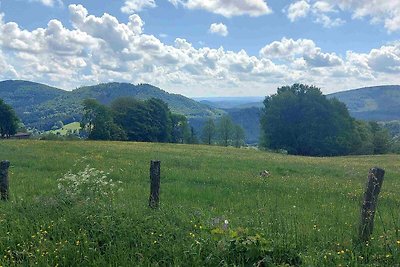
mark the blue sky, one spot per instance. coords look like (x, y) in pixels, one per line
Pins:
(202, 47)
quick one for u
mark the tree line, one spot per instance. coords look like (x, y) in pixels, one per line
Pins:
(129, 119)
(222, 132)
(298, 119)
(152, 121)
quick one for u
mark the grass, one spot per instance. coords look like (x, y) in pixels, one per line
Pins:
(215, 208)
(71, 127)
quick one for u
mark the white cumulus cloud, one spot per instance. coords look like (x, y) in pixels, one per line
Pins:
(228, 8)
(292, 50)
(298, 10)
(320, 12)
(327, 12)
(102, 49)
(219, 28)
(133, 6)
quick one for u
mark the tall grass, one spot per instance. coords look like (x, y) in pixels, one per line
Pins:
(215, 208)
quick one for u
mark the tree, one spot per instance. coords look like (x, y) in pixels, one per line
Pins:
(380, 139)
(146, 121)
(8, 120)
(160, 120)
(180, 129)
(225, 130)
(208, 132)
(98, 122)
(238, 136)
(193, 137)
(301, 120)
(363, 139)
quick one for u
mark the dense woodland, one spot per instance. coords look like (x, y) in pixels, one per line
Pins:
(152, 121)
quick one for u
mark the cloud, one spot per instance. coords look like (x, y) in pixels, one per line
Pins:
(320, 12)
(219, 28)
(292, 50)
(227, 8)
(102, 49)
(133, 6)
(386, 59)
(49, 3)
(386, 13)
(298, 10)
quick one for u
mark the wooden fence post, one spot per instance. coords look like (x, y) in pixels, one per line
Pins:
(4, 165)
(374, 184)
(154, 184)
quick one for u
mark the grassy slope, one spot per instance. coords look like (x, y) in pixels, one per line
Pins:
(74, 126)
(310, 205)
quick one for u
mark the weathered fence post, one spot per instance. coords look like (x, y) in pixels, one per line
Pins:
(154, 184)
(374, 184)
(4, 165)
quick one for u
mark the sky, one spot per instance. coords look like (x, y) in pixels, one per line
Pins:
(202, 47)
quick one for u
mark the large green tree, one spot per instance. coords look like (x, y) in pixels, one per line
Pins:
(301, 120)
(146, 121)
(98, 122)
(8, 120)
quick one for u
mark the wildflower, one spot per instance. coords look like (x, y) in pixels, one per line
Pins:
(398, 242)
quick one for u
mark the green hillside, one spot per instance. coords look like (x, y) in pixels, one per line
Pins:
(379, 103)
(216, 210)
(41, 106)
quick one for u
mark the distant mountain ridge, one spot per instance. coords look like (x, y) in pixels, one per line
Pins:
(377, 103)
(41, 106)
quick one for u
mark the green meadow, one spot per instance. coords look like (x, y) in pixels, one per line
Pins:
(71, 127)
(215, 209)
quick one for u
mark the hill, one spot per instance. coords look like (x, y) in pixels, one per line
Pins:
(40, 106)
(379, 103)
(231, 102)
(214, 207)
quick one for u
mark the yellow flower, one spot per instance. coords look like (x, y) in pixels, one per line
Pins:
(398, 242)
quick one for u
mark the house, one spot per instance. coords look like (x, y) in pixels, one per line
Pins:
(21, 136)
